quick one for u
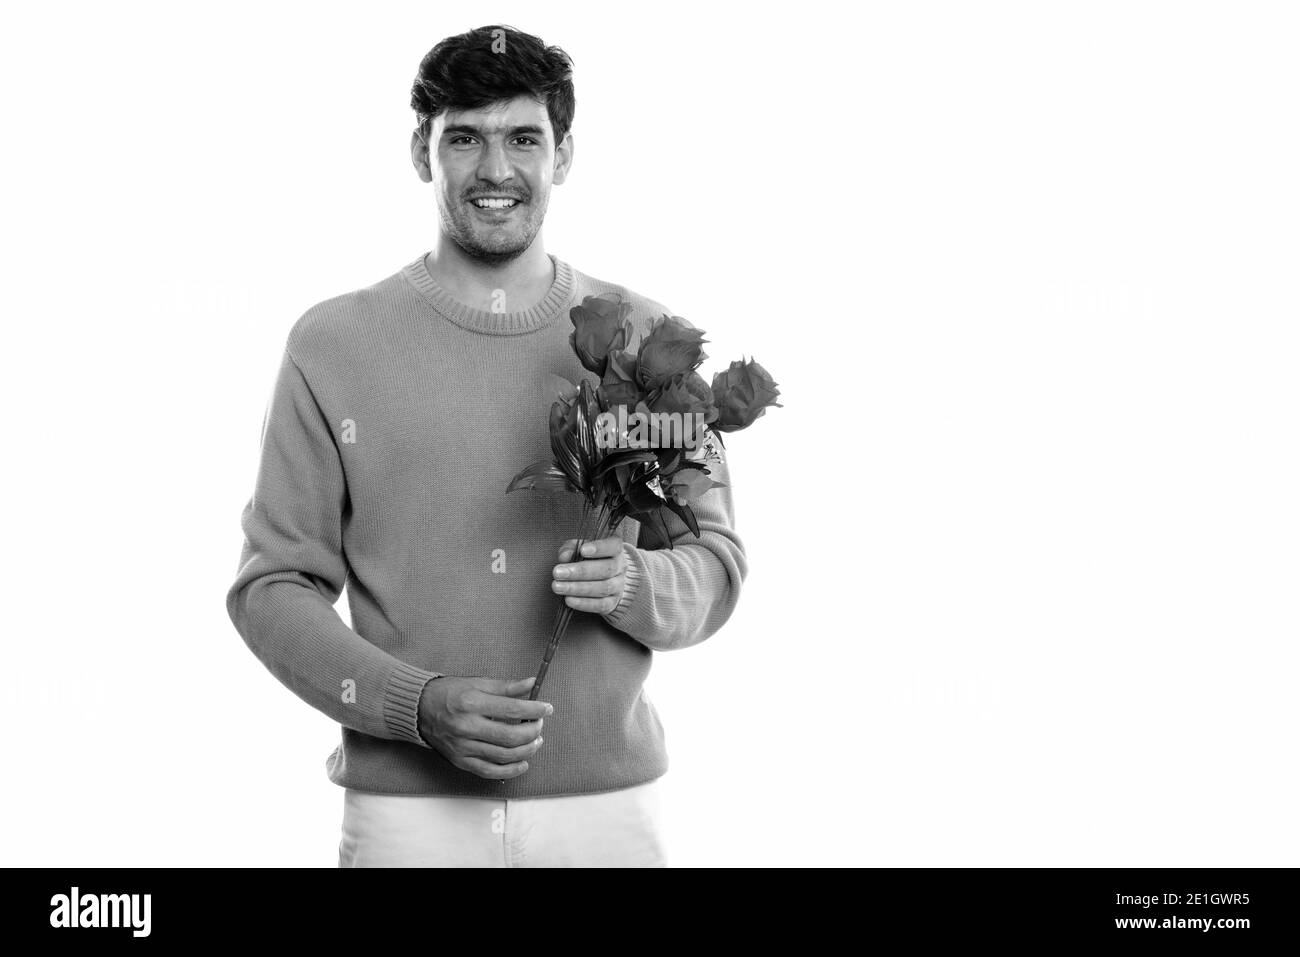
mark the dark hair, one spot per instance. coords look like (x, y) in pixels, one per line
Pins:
(464, 72)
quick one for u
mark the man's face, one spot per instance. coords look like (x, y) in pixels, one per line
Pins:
(493, 169)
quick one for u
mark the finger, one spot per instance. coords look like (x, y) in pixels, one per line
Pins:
(507, 709)
(590, 570)
(511, 687)
(495, 754)
(599, 606)
(486, 769)
(502, 733)
(603, 547)
(566, 550)
(595, 589)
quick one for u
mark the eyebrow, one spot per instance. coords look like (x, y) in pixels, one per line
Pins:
(462, 128)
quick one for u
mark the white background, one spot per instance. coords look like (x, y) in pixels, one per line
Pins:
(1023, 540)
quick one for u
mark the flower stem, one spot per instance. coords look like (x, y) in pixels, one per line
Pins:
(564, 614)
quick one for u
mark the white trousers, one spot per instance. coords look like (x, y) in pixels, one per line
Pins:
(621, 828)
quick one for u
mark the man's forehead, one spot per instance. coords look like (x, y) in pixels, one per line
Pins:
(498, 117)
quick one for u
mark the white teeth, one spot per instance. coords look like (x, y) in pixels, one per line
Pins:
(494, 203)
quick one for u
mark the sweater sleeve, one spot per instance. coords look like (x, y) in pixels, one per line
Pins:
(678, 597)
(293, 569)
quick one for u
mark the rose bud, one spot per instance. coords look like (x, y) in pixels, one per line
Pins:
(599, 328)
(671, 347)
(742, 393)
(686, 393)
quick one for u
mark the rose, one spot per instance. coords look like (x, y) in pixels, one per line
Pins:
(687, 393)
(648, 483)
(671, 347)
(599, 327)
(742, 393)
(620, 370)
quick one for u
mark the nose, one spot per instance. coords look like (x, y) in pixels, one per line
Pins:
(494, 165)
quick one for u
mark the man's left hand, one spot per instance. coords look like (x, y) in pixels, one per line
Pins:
(596, 583)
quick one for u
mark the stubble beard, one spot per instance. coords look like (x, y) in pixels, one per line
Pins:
(460, 229)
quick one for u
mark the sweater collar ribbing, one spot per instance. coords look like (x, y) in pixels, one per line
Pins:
(494, 323)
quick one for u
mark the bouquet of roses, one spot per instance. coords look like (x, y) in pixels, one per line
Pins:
(608, 440)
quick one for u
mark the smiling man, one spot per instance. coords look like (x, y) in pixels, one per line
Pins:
(400, 412)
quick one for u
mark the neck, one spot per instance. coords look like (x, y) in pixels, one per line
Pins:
(512, 286)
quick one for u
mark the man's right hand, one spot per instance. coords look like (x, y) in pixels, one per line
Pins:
(482, 725)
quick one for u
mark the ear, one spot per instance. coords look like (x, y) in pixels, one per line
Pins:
(563, 159)
(420, 156)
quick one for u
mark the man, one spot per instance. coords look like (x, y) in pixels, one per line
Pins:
(399, 415)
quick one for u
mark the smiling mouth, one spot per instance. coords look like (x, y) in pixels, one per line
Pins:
(494, 203)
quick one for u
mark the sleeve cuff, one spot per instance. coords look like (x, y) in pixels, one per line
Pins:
(402, 702)
(633, 576)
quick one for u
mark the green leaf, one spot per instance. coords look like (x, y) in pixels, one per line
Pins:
(625, 457)
(584, 435)
(654, 531)
(541, 475)
(686, 515)
(663, 526)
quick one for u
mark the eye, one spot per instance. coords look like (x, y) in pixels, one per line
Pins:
(526, 139)
(456, 139)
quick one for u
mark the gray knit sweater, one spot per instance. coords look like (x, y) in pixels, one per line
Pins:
(398, 417)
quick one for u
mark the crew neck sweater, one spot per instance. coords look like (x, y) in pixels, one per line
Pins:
(397, 418)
